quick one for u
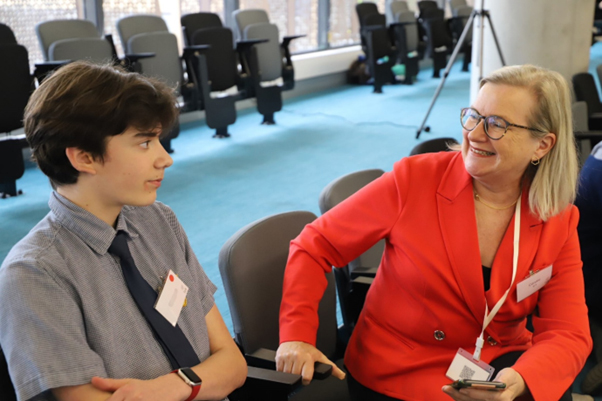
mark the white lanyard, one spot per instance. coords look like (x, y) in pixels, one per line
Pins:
(489, 316)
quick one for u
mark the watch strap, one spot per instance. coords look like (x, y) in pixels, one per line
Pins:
(195, 389)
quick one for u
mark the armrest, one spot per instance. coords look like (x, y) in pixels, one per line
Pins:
(189, 51)
(364, 272)
(42, 69)
(396, 24)
(288, 39)
(266, 359)
(279, 381)
(361, 283)
(134, 57)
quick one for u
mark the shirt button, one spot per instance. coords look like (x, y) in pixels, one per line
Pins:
(491, 341)
(439, 335)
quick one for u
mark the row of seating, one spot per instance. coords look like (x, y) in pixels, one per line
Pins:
(211, 74)
(401, 38)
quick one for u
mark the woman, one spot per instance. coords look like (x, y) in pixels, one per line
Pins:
(449, 222)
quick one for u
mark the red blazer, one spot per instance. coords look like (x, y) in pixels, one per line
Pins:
(430, 279)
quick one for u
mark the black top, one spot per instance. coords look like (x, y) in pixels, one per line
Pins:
(486, 277)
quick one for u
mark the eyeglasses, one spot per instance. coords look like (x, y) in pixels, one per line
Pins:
(495, 127)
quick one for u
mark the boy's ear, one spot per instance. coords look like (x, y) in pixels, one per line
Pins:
(81, 160)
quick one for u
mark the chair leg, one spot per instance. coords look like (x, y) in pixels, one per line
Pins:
(221, 133)
(9, 189)
(268, 119)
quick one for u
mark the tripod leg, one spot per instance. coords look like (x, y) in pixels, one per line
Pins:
(497, 43)
(452, 59)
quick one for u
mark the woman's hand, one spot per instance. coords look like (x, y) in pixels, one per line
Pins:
(168, 387)
(515, 387)
(298, 358)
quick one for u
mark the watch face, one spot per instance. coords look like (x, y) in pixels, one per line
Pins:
(189, 373)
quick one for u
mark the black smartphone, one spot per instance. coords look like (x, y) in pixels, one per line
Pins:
(479, 385)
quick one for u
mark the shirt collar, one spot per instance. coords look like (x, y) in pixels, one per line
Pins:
(97, 234)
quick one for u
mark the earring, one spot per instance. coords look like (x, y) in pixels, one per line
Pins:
(535, 162)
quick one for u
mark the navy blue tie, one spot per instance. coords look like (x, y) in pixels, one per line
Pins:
(172, 339)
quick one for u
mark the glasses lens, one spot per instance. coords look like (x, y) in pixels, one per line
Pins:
(470, 119)
(496, 127)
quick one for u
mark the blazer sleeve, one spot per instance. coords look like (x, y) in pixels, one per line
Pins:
(334, 239)
(561, 339)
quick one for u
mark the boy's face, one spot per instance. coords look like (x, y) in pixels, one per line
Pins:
(133, 168)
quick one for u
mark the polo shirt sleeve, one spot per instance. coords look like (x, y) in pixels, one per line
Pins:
(202, 282)
(43, 333)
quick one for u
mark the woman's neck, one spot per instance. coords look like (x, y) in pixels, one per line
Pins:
(498, 195)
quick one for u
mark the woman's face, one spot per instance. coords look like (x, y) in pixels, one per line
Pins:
(503, 161)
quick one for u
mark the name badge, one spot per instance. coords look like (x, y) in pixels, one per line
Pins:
(171, 298)
(533, 283)
(465, 367)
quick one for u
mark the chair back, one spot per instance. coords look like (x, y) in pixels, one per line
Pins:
(96, 50)
(193, 22)
(49, 32)
(7, 36)
(268, 53)
(221, 58)
(244, 18)
(252, 264)
(433, 146)
(425, 5)
(7, 391)
(462, 11)
(149, 34)
(16, 85)
(339, 190)
(363, 10)
(455, 4)
(410, 34)
(137, 24)
(580, 119)
(585, 90)
(395, 7)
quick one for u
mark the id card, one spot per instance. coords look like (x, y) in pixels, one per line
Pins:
(171, 299)
(533, 283)
(465, 367)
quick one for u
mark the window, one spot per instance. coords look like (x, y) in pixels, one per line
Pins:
(117, 9)
(23, 15)
(344, 25)
(293, 17)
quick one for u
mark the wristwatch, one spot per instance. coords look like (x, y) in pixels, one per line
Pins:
(191, 379)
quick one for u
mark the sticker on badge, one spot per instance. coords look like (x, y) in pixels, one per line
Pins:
(465, 367)
(533, 283)
(171, 298)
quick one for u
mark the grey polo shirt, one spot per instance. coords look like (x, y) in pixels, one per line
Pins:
(66, 314)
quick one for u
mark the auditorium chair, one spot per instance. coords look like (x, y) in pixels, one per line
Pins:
(404, 29)
(354, 279)
(16, 85)
(269, 62)
(75, 39)
(585, 90)
(252, 264)
(216, 69)
(376, 44)
(149, 34)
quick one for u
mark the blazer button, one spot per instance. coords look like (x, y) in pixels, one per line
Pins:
(439, 335)
(491, 341)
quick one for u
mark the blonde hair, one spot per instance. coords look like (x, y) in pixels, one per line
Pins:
(553, 183)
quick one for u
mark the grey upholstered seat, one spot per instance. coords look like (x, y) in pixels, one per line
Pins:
(252, 264)
(334, 193)
(433, 146)
(395, 7)
(268, 54)
(72, 39)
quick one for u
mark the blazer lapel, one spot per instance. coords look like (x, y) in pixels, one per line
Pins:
(455, 204)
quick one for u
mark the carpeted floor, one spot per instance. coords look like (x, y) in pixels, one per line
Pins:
(218, 186)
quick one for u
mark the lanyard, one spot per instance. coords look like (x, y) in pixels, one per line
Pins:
(489, 316)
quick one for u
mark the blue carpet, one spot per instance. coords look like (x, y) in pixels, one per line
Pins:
(217, 186)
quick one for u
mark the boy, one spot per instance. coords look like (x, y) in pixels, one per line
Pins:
(78, 292)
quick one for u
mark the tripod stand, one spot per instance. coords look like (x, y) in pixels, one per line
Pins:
(481, 13)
